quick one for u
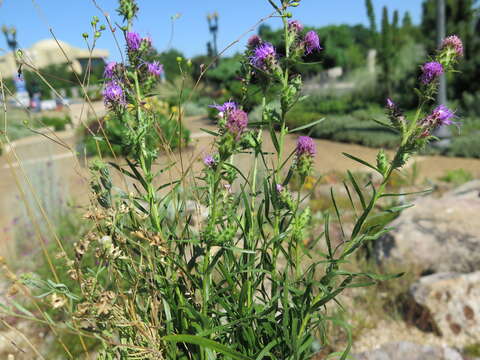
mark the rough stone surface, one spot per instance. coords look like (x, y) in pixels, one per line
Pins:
(453, 302)
(407, 350)
(437, 234)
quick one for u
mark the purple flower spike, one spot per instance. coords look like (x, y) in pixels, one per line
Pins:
(209, 161)
(113, 94)
(453, 42)
(237, 122)
(312, 42)
(109, 71)
(443, 115)
(295, 25)
(262, 55)
(430, 71)
(279, 188)
(254, 41)
(133, 41)
(390, 104)
(306, 146)
(155, 68)
(225, 109)
(440, 116)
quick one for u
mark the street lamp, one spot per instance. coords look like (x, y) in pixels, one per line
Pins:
(11, 38)
(213, 28)
(443, 132)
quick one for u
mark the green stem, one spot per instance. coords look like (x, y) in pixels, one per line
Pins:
(146, 169)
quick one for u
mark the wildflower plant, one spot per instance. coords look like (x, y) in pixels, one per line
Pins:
(213, 265)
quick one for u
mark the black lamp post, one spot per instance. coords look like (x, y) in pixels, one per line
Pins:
(443, 132)
(11, 38)
(213, 28)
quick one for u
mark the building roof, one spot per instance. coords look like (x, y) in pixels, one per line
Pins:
(48, 52)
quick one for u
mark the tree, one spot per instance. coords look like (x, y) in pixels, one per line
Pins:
(385, 54)
(373, 23)
(461, 19)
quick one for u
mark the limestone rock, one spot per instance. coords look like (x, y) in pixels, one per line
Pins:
(453, 303)
(437, 234)
(407, 350)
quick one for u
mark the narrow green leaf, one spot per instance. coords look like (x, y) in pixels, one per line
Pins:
(363, 162)
(206, 343)
(303, 127)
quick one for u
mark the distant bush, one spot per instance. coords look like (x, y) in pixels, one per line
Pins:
(457, 176)
(465, 146)
(58, 123)
(357, 127)
(193, 109)
(349, 129)
(332, 104)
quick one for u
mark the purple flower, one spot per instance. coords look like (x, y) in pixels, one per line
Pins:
(133, 41)
(237, 122)
(440, 116)
(155, 68)
(113, 94)
(254, 41)
(209, 161)
(390, 104)
(443, 115)
(312, 42)
(109, 71)
(226, 108)
(430, 71)
(263, 55)
(453, 42)
(279, 188)
(295, 25)
(306, 146)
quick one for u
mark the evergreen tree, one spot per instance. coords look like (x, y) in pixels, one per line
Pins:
(373, 23)
(462, 19)
(385, 53)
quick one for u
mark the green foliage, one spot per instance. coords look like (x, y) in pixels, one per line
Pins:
(58, 123)
(166, 133)
(348, 128)
(169, 60)
(472, 350)
(226, 71)
(457, 177)
(59, 76)
(462, 20)
(345, 46)
(371, 18)
(212, 264)
(465, 146)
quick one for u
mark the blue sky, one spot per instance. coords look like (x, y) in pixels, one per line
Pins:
(70, 18)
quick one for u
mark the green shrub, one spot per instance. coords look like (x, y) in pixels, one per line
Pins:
(351, 130)
(465, 146)
(110, 134)
(58, 123)
(332, 104)
(457, 176)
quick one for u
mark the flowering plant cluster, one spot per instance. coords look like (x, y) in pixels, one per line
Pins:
(213, 265)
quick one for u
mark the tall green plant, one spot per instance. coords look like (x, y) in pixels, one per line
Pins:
(213, 265)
